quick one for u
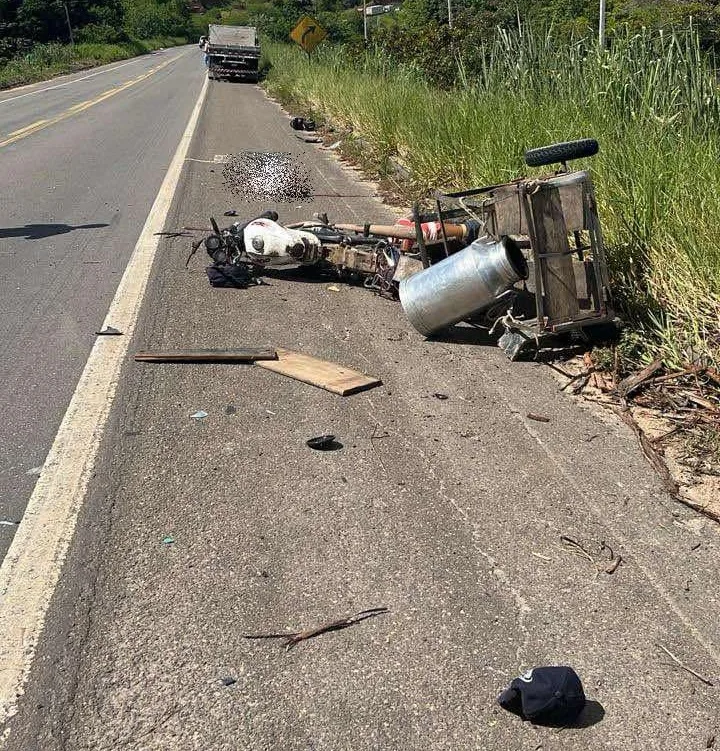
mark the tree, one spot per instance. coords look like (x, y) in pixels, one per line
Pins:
(42, 20)
(145, 19)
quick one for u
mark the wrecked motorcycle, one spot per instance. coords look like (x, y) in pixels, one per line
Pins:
(262, 243)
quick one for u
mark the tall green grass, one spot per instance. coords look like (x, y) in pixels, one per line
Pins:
(651, 100)
(47, 60)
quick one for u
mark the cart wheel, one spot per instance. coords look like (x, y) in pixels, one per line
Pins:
(561, 152)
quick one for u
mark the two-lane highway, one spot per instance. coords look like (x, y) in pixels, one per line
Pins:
(81, 161)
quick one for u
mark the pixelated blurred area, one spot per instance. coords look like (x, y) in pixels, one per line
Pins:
(257, 176)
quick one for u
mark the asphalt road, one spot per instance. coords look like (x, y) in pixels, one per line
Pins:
(81, 160)
(447, 512)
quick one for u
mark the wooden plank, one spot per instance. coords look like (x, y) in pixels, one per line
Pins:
(560, 289)
(244, 354)
(320, 373)
(506, 209)
(508, 218)
(573, 206)
(633, 382)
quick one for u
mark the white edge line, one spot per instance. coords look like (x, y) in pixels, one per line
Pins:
(31, 569)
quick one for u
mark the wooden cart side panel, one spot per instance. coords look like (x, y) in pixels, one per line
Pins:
(506, 214)
(561, 295)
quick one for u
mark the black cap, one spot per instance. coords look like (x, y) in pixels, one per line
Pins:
(545, 696)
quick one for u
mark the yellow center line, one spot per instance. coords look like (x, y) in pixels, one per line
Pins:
(27, 127)
(75, 109)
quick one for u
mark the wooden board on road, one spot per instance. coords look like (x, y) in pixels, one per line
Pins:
(321, 373)
(245, 354)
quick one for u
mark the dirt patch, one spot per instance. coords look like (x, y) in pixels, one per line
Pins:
(679, 431)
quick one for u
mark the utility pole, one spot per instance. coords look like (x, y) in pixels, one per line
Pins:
(449, 13)
(67, 18)
(365, 21)
(601, 33)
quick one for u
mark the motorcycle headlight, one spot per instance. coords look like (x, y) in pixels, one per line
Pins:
(213, 243)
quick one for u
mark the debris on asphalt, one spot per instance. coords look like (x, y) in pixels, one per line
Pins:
(230, 409)
(295, 637)
(319, 373)
(231, 212)
(579, 381)
(199, 415)
(333, 288)
(324, 443)
(376, 436)
(614, 560)
(109, 331)
(302, 123)
(240, 354)
(8, 523)
(601, 564)
(228, 680)
(441, 397)
(193, 249)
(651, 453)
(541, 557)
(35, 470)
(537, 418)
(682, 665)
(168, 540)
(575, 547)
(550, 695)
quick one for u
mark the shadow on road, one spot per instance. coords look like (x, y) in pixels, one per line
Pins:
(465, 334)
(593, 713)
(39, 231)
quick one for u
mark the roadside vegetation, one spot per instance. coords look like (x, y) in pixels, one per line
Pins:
(47, 60)
(464, 116)
(35, 38)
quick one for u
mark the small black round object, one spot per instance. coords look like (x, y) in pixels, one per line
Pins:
(297, 123)
(324, 443)
(309, 124)
(213, 242)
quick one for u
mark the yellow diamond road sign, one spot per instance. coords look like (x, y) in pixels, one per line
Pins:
(308, 33)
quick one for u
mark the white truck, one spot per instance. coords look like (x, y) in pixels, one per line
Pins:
(233, 52)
